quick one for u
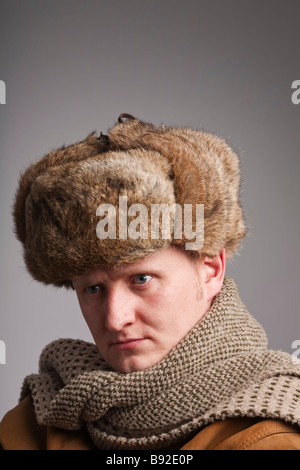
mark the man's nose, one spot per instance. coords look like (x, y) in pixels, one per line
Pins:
(120, 309)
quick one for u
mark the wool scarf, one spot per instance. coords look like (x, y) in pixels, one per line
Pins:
(221, 369)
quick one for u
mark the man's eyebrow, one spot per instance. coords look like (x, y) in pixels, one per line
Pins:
(142, 267)
(89, 280)
(130, 269)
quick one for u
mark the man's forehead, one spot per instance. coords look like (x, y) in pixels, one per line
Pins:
(162, 260)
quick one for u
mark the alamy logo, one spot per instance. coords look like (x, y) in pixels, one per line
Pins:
(296, 95)
(296, 354)
(2, 92)
(138, 227)
(2, 352)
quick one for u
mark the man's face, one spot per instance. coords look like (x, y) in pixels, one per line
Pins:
(138, 313)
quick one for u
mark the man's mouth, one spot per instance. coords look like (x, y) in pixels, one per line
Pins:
(129, 343)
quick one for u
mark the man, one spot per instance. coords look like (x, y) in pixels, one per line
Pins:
(178, 362)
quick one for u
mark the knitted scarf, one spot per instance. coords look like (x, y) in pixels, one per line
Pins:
(221, 369)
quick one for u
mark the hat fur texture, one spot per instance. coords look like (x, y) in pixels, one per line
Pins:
(55, 209)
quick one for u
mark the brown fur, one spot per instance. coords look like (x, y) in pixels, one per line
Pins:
(55, 206)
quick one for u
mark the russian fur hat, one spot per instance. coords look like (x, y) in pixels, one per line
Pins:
(55, 208)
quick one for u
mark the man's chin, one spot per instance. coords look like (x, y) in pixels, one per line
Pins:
(133, 363)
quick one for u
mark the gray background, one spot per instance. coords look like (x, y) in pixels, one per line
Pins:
(226, 66)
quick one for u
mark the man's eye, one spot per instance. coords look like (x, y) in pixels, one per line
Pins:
(142, 278)
(93, 289)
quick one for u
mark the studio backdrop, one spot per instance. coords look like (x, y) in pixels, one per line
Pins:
(231, 67)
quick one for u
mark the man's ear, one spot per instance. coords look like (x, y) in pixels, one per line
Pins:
(214, 272)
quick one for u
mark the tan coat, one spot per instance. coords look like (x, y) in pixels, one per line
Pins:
(20, 431)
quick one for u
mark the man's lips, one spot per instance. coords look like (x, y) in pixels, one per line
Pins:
(129, 343)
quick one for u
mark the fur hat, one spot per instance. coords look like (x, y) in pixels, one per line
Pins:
(55, 210)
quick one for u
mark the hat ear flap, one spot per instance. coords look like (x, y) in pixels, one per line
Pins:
(181, 153)
(88, 147)
(204, 170)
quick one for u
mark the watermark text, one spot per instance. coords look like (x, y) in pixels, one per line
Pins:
(296, 354)
(2, 352)
(2, 92)
(163, 221)
(296, 94)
